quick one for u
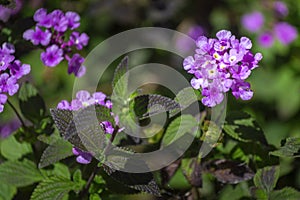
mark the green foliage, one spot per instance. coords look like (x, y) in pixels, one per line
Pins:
(242, 127)
(54, 188)
(55, 152)
(152, 104)
(290, 147)
(31, 103)
(11, 149)
(182, 125)
(285, 193)
(7, 192)
(266, 178)
(120, 81)
(19, 173)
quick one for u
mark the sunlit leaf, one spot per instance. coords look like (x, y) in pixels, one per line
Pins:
(19, 173)
(11, 149)
(179, 127)
(7, 191)
(54, 188)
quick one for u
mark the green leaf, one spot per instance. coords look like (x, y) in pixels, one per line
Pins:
(242, 127)
(71, 123)
(120, 81)
(19, 173)
(53, 188)
(55, 152)
(94, 197)
(259, 194)
(266, 178)
(152, 104)
(179, 127)
(290, 147)
(139, 181)
(59, 170)
(185, 98)
(77, 177)
(31, 103)
(11, 149)
(7, 192)
(285, 193)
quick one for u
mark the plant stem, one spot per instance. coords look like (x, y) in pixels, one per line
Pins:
(17, 113)
(89, 183)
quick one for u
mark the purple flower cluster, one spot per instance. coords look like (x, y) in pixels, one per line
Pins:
(11, 70)
(283, 31)
(222, 64)
(82, 100)
(50, 33)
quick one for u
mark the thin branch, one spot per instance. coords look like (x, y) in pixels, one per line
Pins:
(89, 183)
(17, 113)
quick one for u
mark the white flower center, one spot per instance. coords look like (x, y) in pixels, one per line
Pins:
(216, 56)
(85, 104)
(222, 66)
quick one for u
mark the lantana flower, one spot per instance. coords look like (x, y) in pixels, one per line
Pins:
(51, 34)
(11, 70)
(222, 64)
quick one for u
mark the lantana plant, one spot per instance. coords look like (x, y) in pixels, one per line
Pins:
(84, 147)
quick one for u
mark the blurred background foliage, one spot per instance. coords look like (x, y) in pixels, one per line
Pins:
(276, 83)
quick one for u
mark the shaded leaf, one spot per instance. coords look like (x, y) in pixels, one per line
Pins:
(54, 188)
(290, 147)
(139, 181)
(242, 127)
(178, 128)
(31, 103)
(71, 123)
(152, 104)
(11, 149)
(228, 171)
(19, 173)
(266, 178)
(55, 152)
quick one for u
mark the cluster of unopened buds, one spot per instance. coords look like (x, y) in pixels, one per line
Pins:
(222, 64)
(51, 34)
(11, 70)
